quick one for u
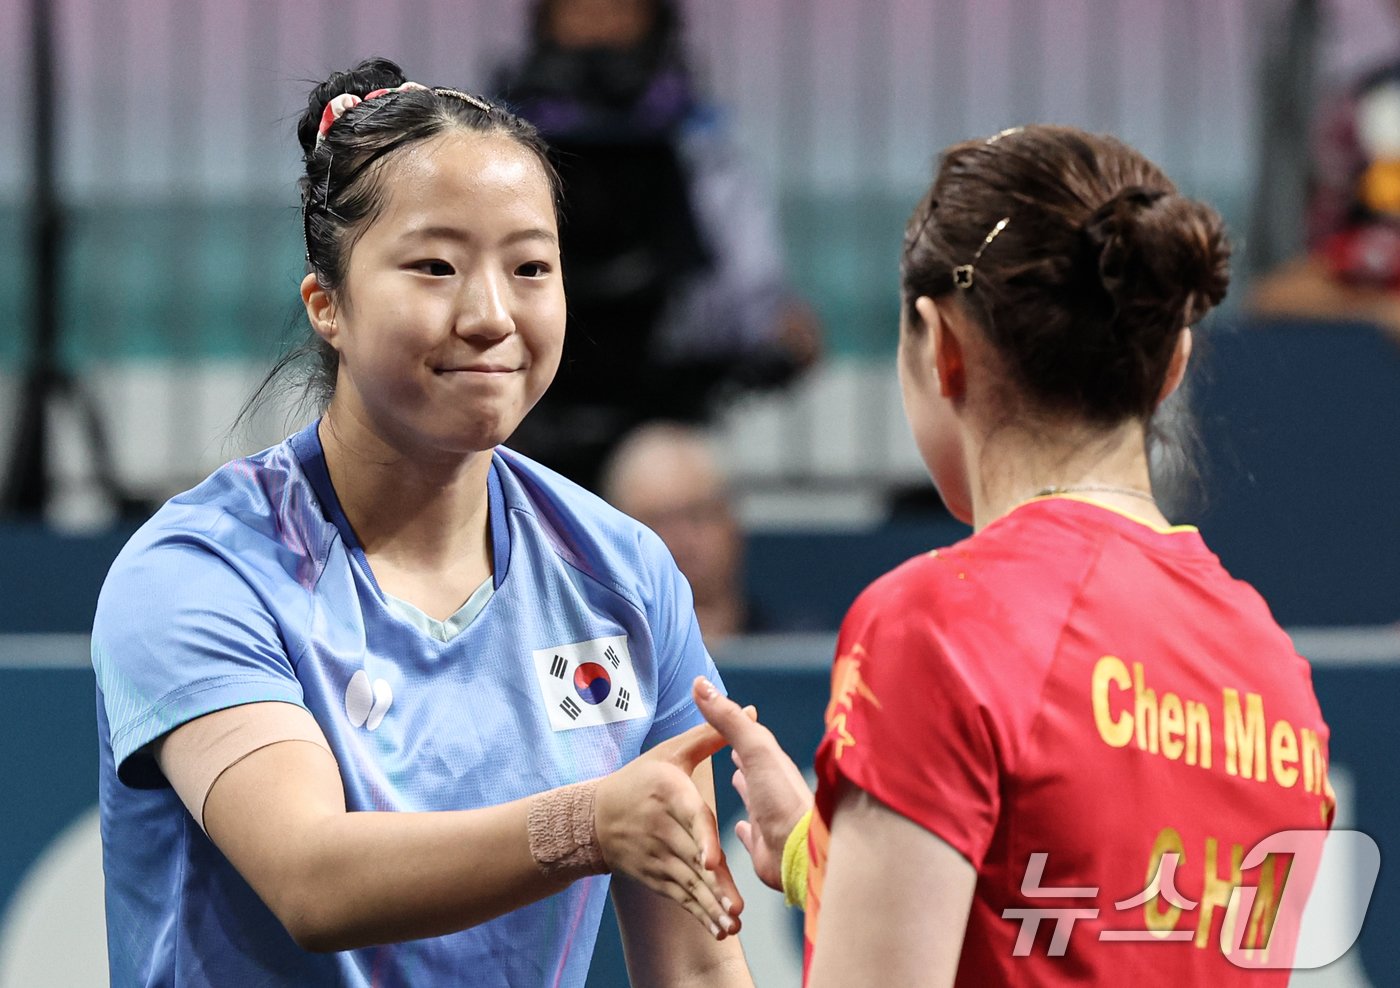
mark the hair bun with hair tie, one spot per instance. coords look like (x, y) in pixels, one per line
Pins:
(338, 106)
(1111, 241)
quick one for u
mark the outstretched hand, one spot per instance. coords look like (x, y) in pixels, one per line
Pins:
(770, 783)
(654, 825)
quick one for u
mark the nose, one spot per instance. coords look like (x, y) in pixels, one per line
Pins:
(485, 311)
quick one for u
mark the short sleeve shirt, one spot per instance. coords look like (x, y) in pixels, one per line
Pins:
(1072, 687)
(251, 587)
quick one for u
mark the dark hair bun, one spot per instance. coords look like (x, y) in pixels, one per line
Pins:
(1162, 258)
(365, 78)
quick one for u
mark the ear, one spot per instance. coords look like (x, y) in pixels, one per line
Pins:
(946, 345)
(1176, 369)
(320, 308)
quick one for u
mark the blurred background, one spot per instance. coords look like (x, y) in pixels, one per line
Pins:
(151, 244)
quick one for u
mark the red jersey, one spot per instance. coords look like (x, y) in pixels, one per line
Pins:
(1077, 702)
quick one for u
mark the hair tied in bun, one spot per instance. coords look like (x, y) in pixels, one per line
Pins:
(1110, 240)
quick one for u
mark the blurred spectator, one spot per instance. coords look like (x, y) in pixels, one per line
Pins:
(1351, 265)
(666, 476)
(671, 251)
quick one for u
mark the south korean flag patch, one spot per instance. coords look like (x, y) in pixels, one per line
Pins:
(589, 683)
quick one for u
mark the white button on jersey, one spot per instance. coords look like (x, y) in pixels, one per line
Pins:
(366, 704)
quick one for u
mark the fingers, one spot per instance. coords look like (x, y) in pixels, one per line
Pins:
(654, 826)
(744, 830)
(704, 828)
(687, 850)
(678, 871)
(767, 864)
(688, 750)
(696, 818)
(720, 925)
(738, 724)
(730, 897)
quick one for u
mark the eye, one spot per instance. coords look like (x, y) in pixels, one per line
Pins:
(533, 269)
(433, 266)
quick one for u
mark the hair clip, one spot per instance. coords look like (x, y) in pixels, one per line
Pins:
(1003, 133)
(963, 273)
(475, 101)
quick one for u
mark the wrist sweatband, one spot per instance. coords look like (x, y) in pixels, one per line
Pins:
(795, 863)
(563, 834)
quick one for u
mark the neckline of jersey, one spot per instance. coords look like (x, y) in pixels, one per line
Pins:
(311, 455)
(452, 626)
(1095, 503)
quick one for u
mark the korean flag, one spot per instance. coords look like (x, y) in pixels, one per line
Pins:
(589, 683)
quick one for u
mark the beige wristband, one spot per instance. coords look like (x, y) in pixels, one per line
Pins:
(563, 832)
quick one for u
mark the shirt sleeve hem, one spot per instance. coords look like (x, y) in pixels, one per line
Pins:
(683, 716)
(184, 705)
(937, 824)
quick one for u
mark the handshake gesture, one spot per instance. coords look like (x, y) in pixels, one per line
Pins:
(654, 825)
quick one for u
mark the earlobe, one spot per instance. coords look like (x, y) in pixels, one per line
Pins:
(1176, 368)
(320, 308)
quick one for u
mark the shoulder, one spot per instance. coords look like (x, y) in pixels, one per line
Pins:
(944, 611)
(256, 515)
(905, 624)
(987, 570)
(581, 528)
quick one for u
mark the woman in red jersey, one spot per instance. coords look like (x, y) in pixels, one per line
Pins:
(1050, 748)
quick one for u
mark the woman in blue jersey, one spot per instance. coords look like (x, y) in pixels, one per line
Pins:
(390, 612)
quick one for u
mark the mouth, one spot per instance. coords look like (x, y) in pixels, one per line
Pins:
(494, 369)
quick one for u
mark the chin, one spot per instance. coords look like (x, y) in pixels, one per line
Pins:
(463, 441)
(480, 429)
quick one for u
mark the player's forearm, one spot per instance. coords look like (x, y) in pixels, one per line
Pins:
(731, 972)
(365, 878)
(338, 880)
(664, 946)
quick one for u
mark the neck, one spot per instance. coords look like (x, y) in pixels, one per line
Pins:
(1108, 466)
(427, 513)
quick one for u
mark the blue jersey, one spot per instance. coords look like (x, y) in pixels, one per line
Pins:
(251, 587)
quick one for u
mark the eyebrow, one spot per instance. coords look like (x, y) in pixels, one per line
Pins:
(462, 236)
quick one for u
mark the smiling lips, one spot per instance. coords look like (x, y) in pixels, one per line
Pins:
(477, 369)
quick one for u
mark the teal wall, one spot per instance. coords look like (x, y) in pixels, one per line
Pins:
(168, 280)
(190, 280)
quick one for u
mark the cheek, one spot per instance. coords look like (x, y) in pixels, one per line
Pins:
(914, 393)
(554, 317)
(389, 322)
(545, 336)
(935, 430)
(942, 450)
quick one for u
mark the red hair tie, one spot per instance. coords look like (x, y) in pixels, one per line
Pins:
(336, 108)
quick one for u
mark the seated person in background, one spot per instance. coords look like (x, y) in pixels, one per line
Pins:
(673, 258)
(1351, 269)
(666, 476)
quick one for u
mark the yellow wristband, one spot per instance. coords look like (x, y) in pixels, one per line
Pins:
(795, 863)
